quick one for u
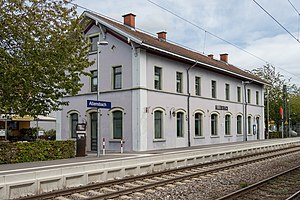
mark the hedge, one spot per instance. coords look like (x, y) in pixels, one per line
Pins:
(40, 150)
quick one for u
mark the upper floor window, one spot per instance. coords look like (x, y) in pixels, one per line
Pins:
(94, 81)
(198, 124)
(214, 125)
(117, 79)
(180, 121)
(239, 94)
(73, 124)
(197, 85)
(239, 124)
(157, 78)
(248, 96)
(158, 122)
(94, 40)
(227, 92)
(227, 125)
(257, 98)
(213, 89)
(179, 82)
(117, 124)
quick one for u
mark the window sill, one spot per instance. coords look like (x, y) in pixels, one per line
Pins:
(92, 52)
(159, 140)
(214, 136)
(228, 135)
(239, 135)
(115, 141)
(199, 137)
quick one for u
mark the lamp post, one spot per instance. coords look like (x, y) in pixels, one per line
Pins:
(99, 43)
(245, 83)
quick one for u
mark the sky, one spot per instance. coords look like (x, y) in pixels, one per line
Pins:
(252, 38)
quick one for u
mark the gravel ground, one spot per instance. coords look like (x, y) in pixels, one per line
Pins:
(220, 184)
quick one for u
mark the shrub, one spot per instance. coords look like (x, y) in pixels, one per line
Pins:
(36, 151)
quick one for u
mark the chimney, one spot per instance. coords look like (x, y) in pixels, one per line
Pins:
(210, 56)
(224, 57)
(129, 20)
(162, 35)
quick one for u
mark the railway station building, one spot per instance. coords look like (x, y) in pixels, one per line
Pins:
(162, 95)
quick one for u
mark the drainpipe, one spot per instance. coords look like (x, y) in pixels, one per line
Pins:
(188, 102)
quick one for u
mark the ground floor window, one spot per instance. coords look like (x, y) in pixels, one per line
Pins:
(214, 124)
(73, 124)
(158, 124)
(239, 124)
(117, 124)
(249, 125)
(198, 124)
(227, 125)
(180, 124)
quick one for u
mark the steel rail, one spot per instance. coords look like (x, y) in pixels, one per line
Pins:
(243, 191)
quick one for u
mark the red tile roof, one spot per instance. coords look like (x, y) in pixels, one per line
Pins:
(209, 63)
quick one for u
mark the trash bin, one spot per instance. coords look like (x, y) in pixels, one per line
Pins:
(81, 145)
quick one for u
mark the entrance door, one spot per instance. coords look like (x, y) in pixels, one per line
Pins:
(93, 122)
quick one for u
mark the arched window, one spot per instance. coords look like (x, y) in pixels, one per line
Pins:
(239, 124)
(257, 126)
(214, 124)
(73, 123)
(227, 125)
(158, 124)
(249, 125)
(198, 124)
(117, 124)
(180, 116)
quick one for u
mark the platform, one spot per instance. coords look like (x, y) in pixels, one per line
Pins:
(37, 177)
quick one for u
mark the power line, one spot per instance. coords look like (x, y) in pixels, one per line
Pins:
(276, 21)
(298, 16)
(294, 7)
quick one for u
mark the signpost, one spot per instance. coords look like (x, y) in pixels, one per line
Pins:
(98, 105)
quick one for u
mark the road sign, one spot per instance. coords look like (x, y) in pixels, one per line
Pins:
(98, 104)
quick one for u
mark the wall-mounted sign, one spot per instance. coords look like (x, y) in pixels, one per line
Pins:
(218, 107)
(98, 104)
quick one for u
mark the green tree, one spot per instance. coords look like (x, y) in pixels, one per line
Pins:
(276, 95)
(42, 55)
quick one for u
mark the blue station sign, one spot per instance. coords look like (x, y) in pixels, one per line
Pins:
(98, 104)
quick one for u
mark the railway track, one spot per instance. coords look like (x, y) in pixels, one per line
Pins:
(283, 186)
(138, 185)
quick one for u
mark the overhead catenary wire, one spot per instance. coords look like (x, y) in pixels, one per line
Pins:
(276, 21)
(298, 16)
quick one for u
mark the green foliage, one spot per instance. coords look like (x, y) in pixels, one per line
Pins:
(276, 94)
(42, 55)
(36, 151)
(50, 134)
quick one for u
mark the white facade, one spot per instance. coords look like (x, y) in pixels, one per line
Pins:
(139, 101)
